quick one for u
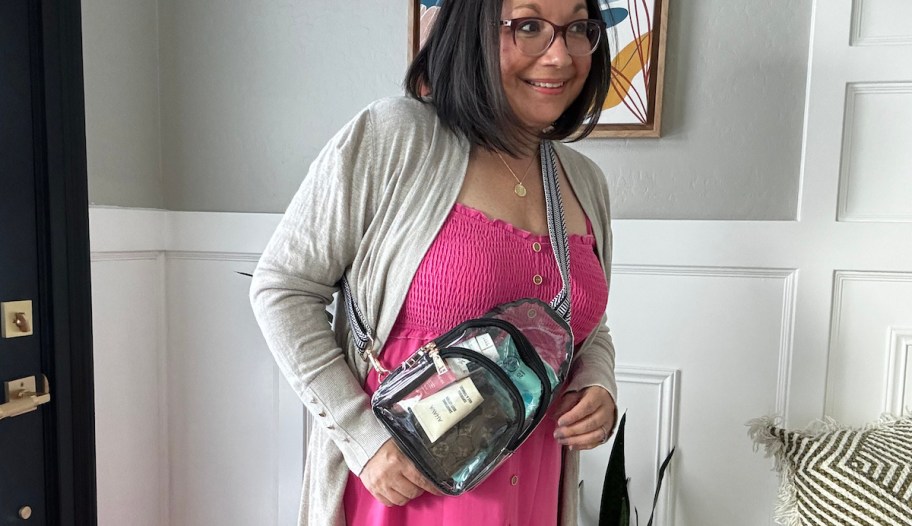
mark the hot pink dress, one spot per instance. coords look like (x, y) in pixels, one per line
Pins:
(474, 264)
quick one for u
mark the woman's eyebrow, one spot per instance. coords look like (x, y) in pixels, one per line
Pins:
(534, 7)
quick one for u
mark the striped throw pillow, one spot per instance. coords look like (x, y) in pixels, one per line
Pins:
(835, 475)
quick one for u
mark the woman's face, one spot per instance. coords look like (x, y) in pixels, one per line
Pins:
(540, 88)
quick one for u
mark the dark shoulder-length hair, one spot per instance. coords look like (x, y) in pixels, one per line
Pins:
(459, 67)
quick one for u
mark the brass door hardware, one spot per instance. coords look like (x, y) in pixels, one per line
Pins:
(21, 396)
(21, 322)
(17, 318)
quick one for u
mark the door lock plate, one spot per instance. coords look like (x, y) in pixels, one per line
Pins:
(17, 318)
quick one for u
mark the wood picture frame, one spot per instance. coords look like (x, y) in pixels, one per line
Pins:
(637, 30)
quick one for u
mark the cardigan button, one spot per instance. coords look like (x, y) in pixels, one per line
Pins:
(537, 279)
(514, 481)
(536, 246)
(321, 413)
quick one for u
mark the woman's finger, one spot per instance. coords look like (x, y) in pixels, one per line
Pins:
(396, 498)
(566, 402)
(405, 487)
(415, 477)
(588, 440)
(586, 405)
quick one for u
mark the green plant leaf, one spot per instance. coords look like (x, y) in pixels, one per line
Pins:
(615, 506)
(662, 469)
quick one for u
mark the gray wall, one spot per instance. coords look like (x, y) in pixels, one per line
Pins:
(732, 120)
(123, 135)
(250, 91)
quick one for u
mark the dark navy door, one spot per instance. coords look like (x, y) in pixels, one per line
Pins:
(22, 459)
(47, 458)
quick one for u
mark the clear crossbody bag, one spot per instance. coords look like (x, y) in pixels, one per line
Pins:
(462, 403)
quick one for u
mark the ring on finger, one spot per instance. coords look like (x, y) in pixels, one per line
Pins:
(605, 435)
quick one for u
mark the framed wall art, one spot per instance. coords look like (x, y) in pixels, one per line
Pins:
(636, 35)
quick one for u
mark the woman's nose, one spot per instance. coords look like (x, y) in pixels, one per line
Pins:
(557, 53)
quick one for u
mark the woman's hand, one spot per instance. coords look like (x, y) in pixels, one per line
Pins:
(392, 478)
(585, 419)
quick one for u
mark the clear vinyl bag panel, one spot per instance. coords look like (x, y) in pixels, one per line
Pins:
(456, 422)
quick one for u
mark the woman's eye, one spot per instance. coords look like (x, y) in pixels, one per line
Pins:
(529, 27)
(578, 28)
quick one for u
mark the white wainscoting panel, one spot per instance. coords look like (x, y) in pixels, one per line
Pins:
(195, 425)
(649, 397)
(898, 393)
(230, 410)
(868, 307)
(130, 384)
(881, 22)
(729, 332)
(704, 315)
(876, 163)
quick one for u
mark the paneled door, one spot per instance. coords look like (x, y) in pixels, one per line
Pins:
(23, 499)
(46, 428)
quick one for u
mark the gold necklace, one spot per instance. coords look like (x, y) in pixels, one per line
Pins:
(518, 189)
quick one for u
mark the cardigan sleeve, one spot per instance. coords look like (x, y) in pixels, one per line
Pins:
(297, 275)
(595, 361)
(594, 364)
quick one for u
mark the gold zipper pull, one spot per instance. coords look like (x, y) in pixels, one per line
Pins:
(438, 361)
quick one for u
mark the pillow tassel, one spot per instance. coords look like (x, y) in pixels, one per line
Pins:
(760, 431)
(787, 507)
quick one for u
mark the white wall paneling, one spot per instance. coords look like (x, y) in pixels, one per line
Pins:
(876, 163)
(867, 352)
(729, 331)
(130, 384)
(881, 22)
(898, 392)
(188, 396)
(230, 410)
(650, 399)
(721, 302)
(724, 303)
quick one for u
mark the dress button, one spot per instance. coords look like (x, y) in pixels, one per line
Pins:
(514, 481)
(537, 279)
(536, 246)
(321, 413)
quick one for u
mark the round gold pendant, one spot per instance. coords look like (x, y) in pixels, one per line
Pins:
(520, 190)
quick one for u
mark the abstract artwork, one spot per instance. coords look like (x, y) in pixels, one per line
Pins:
(636, 37)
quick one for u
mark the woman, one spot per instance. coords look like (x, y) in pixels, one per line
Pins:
(432, 207)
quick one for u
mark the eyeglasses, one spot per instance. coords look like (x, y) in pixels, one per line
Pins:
(534, 36)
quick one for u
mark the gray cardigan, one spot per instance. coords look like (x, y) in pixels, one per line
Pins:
(371, 205)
